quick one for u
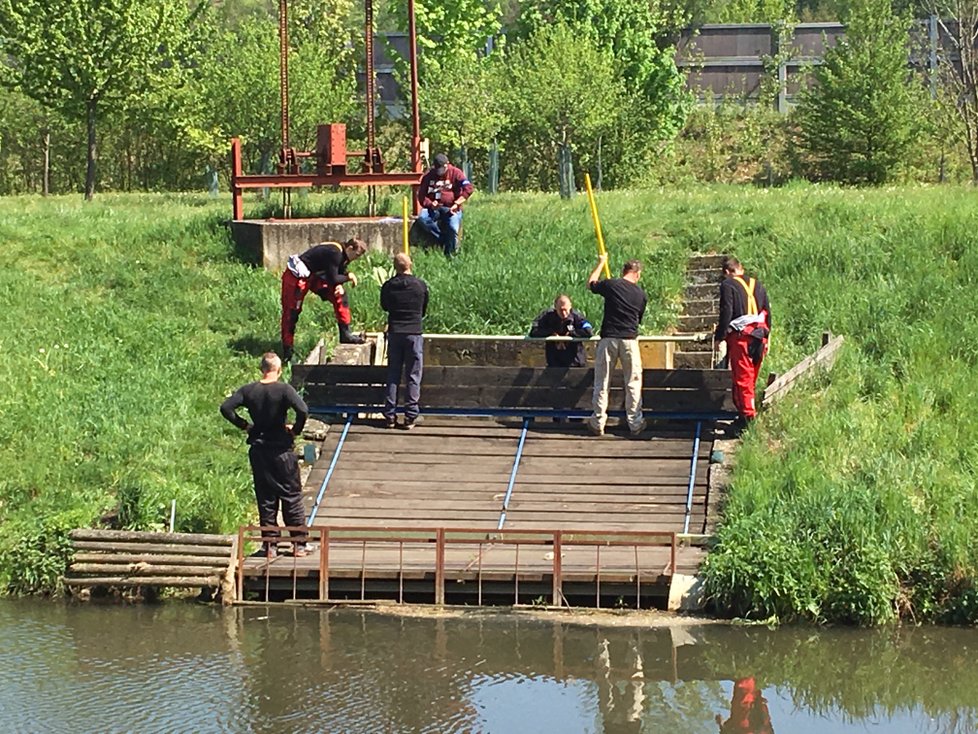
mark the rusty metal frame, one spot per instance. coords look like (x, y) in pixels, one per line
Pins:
(287, 180)
(442, 538)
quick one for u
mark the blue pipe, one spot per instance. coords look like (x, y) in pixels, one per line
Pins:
(692, 476)
(329, 472)
(512, 475)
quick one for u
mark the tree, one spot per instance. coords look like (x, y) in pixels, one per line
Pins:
(634, 34)
(447, 29)
(561, 92)
(858, 120)
(87, 57)
(463, 106)
(959, 23)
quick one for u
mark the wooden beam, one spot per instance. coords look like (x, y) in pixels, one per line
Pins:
(824, 359)
(148, 537)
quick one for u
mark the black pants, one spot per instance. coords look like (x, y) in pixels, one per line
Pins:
(276, 473)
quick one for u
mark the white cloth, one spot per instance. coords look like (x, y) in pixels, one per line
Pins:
(297, 267)
(741, 322)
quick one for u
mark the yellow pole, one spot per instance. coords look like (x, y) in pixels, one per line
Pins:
(405, 224)
(597, 222)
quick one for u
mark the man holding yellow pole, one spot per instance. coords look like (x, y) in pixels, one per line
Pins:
(624, 308)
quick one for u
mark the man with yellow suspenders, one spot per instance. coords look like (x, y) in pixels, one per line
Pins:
(745, 325)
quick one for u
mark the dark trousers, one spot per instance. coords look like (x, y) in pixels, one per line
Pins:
(276, 473)
(405, 355)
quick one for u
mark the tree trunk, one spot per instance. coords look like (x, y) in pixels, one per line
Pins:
(90, 168)
(46, 181)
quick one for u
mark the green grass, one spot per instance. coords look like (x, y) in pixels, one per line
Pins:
(854, 501)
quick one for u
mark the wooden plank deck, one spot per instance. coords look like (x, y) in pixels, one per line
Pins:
(454, 472)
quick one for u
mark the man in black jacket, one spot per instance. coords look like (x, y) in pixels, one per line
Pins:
(321, 269)
(562, 320)
(405, 299)
(745, 326)
(274, 465)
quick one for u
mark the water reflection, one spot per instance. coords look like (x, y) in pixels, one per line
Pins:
(197, 669)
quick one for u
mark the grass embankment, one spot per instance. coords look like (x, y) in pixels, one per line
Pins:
(854, 501)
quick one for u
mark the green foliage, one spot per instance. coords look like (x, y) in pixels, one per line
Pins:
(858, 121)
(560, 90)
(463, 105)
(655, 101)
(448, 30)
(83, 58)
(854, 501)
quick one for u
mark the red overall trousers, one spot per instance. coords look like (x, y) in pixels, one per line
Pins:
(744, 371)
(294, 291)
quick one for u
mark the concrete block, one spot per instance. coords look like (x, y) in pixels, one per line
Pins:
(686, 593)
(272, 241)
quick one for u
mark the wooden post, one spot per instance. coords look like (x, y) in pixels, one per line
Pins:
(324, 564)
(440, 567)
(237, 200)
(558, 593)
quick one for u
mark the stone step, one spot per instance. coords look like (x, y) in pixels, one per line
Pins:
(693, 360)
(701, 307)
(691, 324)
(696, 347)
(706, 262)
(700, 276)
(702, 292)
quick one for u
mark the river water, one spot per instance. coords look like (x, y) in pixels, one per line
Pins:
(180, 667)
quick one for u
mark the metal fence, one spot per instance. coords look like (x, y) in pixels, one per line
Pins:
(734, 61)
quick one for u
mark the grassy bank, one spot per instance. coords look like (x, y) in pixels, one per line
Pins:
(126, 321)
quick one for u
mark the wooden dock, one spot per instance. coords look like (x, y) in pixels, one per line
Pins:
(507, 510)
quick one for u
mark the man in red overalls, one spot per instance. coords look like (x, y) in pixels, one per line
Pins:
(322, 270)
(745, 325)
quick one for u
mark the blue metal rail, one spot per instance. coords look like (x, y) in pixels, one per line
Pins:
(692, 476)
(329, 472)
(512, 475)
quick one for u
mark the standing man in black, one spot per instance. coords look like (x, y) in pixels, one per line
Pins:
(273, 462)
(624, 307)
(405, 299)
(562, 320)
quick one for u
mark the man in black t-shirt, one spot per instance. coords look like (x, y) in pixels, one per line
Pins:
(624, 307)
(274, 465)
(405, 299)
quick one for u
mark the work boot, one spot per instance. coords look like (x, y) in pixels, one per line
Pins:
(348, 337)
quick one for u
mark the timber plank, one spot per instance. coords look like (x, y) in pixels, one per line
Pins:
(132, 536)
(178, 581)
(171, 560)
(136, 548)
(472, 376)
(140, 569)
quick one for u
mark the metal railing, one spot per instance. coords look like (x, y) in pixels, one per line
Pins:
(439, 539)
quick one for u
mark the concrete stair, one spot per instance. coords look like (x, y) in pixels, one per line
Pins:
(700, 310)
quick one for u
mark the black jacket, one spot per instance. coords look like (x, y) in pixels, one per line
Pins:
(733, 303)
(563, 354)
(405, 299)
(328, 261)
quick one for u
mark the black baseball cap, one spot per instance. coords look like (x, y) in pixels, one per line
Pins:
(441, 160)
